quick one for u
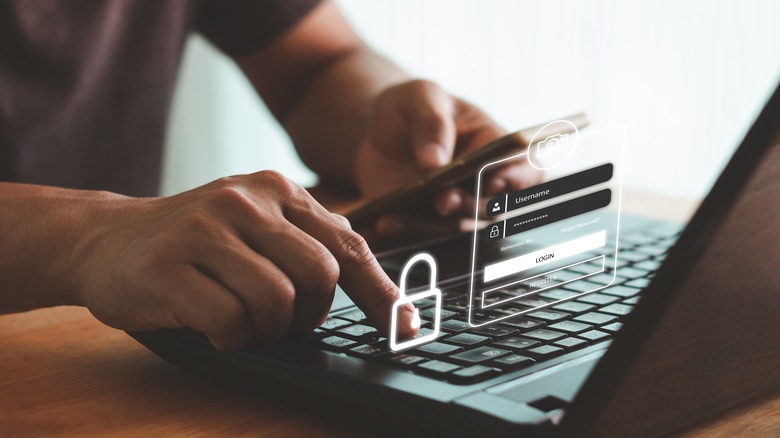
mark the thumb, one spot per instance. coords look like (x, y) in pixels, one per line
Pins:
(432, 125)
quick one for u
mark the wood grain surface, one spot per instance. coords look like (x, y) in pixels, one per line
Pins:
(63, 373)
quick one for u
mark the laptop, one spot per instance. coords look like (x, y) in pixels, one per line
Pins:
(688, 328)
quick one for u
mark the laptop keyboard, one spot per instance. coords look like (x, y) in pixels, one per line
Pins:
(465, 355)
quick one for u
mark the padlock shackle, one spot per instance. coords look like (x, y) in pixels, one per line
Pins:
(419, 257)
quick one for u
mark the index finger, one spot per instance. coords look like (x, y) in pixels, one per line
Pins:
(360, 275)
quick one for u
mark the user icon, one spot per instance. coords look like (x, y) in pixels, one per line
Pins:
(496, 207)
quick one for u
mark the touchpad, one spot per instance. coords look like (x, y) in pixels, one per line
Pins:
(562, 381)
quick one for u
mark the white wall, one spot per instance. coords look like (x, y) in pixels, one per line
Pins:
(686, 78)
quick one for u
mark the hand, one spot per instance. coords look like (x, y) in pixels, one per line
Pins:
(242, 257)
(416, 127)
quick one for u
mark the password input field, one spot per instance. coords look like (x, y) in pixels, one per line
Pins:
(546, 255)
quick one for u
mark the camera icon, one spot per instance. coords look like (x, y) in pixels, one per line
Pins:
(552, 145)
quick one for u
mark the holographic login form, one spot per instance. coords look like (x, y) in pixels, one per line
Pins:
(541, 246)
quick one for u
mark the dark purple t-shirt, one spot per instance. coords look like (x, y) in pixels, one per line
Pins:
(86, 86)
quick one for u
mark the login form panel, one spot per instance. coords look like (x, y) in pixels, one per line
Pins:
(540, 246)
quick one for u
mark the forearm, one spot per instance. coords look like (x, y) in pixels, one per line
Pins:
(329, 121)
(43, 232)
(319, 80)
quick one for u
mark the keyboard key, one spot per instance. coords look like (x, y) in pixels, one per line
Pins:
(609, 262)
(467, 340)
(424, 303)
(459, 304)
(631, 301)
(544, 335)
(516, 290)
(336, 343)
(357, 331)
(596, 318)
(495, 331)
(574, 307)
(571, 327)
(621, 291)
(487, 315)
(652, 250)
(437, 349)
(429, 314)
(631, 272)
(598, 299)
(649, 265)
(437, 367)
(571, 344)
(354, 316)
(426, 332)
(594, 336)
(632, 256)
(549, 315)
(473, 374)
(402, 360)
(617, 309)
(334, 323)
(517, 344)
(544, 352)
(641, 283)
(581, 286)
(584, 268)
(479, 355)
(522, 324)
(454, 326)
(510, 309)
(612, 328)
(512, 362)
(604, 279)
(367, 351)
(531, 302)
(557, 294)
(496, 297)
(456, 308)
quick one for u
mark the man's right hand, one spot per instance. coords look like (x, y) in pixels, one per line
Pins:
(243, 257)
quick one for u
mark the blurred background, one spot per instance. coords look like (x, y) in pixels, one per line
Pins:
(685, 78)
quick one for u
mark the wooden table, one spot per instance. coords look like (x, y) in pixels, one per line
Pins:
(64, 373)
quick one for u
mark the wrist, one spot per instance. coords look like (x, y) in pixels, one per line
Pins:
(48, 234)
(88, 227)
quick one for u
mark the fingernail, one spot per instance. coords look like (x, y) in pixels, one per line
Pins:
(409, 323)
(442, 156)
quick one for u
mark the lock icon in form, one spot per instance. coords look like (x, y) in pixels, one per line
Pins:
(494, 232)
(432, 292)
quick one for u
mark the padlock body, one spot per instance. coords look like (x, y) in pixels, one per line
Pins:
(394, 344)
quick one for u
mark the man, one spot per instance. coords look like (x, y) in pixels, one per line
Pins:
(84, 91)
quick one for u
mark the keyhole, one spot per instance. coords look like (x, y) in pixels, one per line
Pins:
(416, 318)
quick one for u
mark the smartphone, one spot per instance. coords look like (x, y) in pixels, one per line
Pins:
(463, 167)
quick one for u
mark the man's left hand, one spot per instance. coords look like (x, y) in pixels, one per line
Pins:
(417, 127)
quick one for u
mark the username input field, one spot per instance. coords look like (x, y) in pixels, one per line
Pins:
(546, 255)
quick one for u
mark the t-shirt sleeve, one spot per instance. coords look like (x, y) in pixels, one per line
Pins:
(238, 27)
